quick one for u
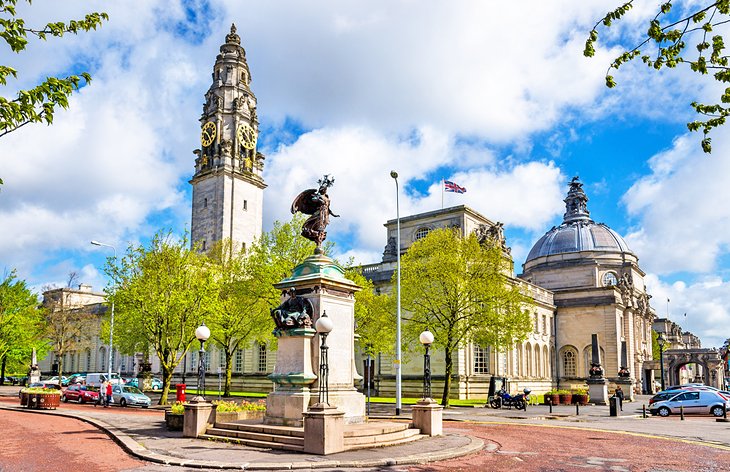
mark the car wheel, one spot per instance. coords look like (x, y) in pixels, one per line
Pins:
(64, 398)
(82, 400)
(664, 411)
(717, 411)
(122, 402)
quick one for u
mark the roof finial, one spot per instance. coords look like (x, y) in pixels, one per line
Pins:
(232, 37)
(575, 203)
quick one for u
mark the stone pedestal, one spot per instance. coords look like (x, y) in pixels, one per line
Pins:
(598, 391)
(427, 416)
(292, 375)
(324, 430)
(320, 280)
(627, 385)
(198, 417)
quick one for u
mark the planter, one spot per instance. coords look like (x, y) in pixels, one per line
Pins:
(580, 399)
(566, 398)
(228, 416)
(555, 398)
(174, 422)
(40, 400)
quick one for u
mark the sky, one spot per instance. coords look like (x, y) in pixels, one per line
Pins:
(495, 96)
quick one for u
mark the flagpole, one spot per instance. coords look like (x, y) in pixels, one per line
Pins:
(442, 193)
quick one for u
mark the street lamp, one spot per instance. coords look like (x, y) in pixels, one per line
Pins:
(661, 341)
(323, 326)
(426, 339)
(398, 382)
(202, 334)
(111, 324)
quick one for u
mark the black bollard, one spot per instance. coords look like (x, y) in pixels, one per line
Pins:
(681, 412)
(643, 411)
(550, 403)
(577, 409)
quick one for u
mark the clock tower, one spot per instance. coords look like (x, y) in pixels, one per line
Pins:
(228, 183)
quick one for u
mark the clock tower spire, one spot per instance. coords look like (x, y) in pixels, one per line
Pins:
(228, 182)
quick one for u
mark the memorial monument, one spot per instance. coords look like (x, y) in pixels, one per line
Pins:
(316, 285)
(597, 388)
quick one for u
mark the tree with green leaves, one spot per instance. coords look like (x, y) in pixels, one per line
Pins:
(374, 316)
(685, 36)
(458, 289)
(38, 103)
(21, 324)
(162, 293)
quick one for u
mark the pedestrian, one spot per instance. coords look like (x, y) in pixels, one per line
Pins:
(620, 396)
(109, 393)
(102, 393)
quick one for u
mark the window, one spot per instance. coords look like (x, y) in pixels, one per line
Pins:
(243, 247)
(261, 365)
(422, 233)
(688, 396)
(205, 203)
(204, 245)
(245, 205)
(206, 359)
(238, 364)
(222, 360)
(544, 324)
(88, 360)
(481, 360)
(193, 361)
(569, 364)
(609, 279)
(537, 323)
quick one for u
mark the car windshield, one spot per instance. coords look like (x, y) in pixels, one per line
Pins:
(130, 389)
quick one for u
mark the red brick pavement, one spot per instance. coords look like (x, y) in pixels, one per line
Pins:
(518, 448)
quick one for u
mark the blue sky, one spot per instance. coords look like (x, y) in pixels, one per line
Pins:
(499, 100)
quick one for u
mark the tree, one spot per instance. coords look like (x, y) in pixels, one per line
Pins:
(673, 39)
(246, 290)
(21, 324)
(374, 316)
(457, 288)
(38, 103)
(70, 327)
(162, 293)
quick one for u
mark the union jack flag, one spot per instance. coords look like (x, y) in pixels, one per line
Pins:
(452, 187)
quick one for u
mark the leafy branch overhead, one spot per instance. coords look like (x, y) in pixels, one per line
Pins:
(686, 36)
(38, 103)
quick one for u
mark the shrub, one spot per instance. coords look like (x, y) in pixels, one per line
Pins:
(177, 408)
(580, 391)
(563, 392)
(231, 406)
(40, 390)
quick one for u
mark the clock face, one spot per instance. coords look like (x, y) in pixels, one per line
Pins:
(609, 279)
(207, 135)
(246, 136)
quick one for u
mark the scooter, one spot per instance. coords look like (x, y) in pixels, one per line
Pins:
(503, 398)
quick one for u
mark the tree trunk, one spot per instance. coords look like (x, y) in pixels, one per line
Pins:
(2, 370)
(229, 369)
(166, 381)
(60, 370)
(447, 380)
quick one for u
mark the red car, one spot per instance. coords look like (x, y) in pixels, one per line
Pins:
(80, 394)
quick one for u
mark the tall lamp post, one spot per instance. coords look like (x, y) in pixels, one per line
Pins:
(661, 341)
(202, 334)
(111, 324)
(398, 382)
(426, 339)
(323, 326)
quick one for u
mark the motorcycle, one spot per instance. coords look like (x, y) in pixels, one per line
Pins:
(518, 401)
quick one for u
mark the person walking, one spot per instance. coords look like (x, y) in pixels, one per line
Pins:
(108, 393)
(619, 393)
(102, 393)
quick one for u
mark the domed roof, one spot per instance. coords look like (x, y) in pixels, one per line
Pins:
(578, 232)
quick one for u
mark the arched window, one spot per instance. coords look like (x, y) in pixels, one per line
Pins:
(422, 233)
(88, 360)
(528, 359)
(102, 359)
(569, 361)
(538, 363)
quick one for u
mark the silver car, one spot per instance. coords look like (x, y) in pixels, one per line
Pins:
(124, 395)
(695, 402)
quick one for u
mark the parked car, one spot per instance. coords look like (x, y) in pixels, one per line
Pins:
(54, 379)
(155, 383)
(80, 393)
(95, 379)
(699, 402)
(76, 379)
(124, 395)
(664, 395)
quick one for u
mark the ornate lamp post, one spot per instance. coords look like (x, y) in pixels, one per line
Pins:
(426, 339)
(202, 333)
(111, 324)
(323, 326)
(661, 341)
(398, 379)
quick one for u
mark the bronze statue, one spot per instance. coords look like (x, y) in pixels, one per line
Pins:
(294, 312)
(315, 202)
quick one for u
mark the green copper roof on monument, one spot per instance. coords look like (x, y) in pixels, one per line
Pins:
(318, 264)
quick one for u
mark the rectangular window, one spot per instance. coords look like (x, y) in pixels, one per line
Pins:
(261, 364)
(193, 362)
(238, 364)
(481, 360)
(222, 360)
(206, 359)
(245, 205)
(88, 360)
(544, 324)
(537, 323)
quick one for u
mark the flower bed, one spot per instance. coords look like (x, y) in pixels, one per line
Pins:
(175, 417)
(40, 398)
(231, 411)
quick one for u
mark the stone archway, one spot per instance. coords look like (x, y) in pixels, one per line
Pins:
(709, 359)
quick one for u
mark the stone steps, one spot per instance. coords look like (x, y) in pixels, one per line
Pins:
(356, 436)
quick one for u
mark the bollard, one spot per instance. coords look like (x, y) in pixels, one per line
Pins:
(681, 412)
(724, 414)
(643, 411)
(550, 403)
(577, 409)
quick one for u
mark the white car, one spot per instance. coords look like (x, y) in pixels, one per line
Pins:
(124, 395)
(697, 402)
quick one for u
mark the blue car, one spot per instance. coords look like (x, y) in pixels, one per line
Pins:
(155, 383)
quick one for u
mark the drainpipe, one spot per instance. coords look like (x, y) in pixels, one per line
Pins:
(555, 349)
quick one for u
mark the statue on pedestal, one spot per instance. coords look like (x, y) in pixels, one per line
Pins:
(315, 202)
